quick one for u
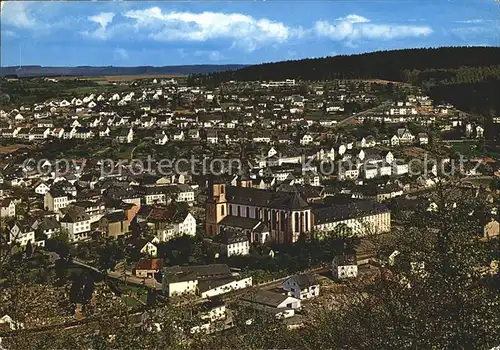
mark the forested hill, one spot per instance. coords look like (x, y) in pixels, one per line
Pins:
(389, 65)
(35, 71)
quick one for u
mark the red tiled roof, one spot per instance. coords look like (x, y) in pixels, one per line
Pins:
(149, 264)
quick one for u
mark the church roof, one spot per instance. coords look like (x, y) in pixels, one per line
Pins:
(265, 198)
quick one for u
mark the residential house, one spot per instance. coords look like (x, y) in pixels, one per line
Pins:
(212, 136)
(83, 133)
(405, 136)
(161, 138)
(46, 228)
(7, 208)
(178, 135)
(76, 223)
(307, 139)
(194, 134)
(149, 248)
(423, 139)
(41, 188)
(168, 222)
(394, 141)
(344, 266)
(125, 135)
(21, 233)
(211, 287)
(185, 193)
(491, 229)
(55, 199)
(366, 142)
(274, 300)
(302, 286)
(233, 242)
(104, 131)
(58, 133)
(147, 268)
(39, 133)
(179, 283)
(114, 224)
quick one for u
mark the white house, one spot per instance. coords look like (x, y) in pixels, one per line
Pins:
(161, 138)
(7, 208)
(400, 169)
(366, 142)
(303, 286)
(344, 266)
(180, 225)
(10, 324)
(405, 136)
(306, 140)
(423, 139)
(150, 249)
(76, 223)
(233, 242)
(21, 234)
(55, 199)
(187, 226)
(212, 136)
(185, 194)
(261, 139)
(212, 288)
(125, 136)
(479, 131)
(180, 284)
(178, 136)
(274, 300)
(41, 188)
(394, 141)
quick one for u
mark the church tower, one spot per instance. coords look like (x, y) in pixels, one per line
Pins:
(215, 207)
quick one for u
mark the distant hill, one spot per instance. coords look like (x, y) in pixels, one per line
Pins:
(388, 65)
(468, 77)
(89, 71)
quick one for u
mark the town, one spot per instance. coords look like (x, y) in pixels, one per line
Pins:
(265, 195)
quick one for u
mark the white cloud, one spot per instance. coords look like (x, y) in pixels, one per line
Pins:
(354, 27)
(244, 30)
(103, 20)
(121, 54)
(353, 18)
(214, 56)
(9, 34)
(471, 21)
(16, 14)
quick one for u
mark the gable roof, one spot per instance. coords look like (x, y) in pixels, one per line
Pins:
(265, 198)
(149, 264)
(75, 214)
(202, 271)
(305, 280)
(266, 297)
(353, 209)
(240, 222)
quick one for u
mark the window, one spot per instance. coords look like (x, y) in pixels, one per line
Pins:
(248, 212)
(222, 211)
(239, 211)
(230, 212)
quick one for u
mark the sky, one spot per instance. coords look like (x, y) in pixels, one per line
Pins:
(134, 33)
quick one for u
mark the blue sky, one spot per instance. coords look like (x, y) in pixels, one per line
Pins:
(131, 33)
